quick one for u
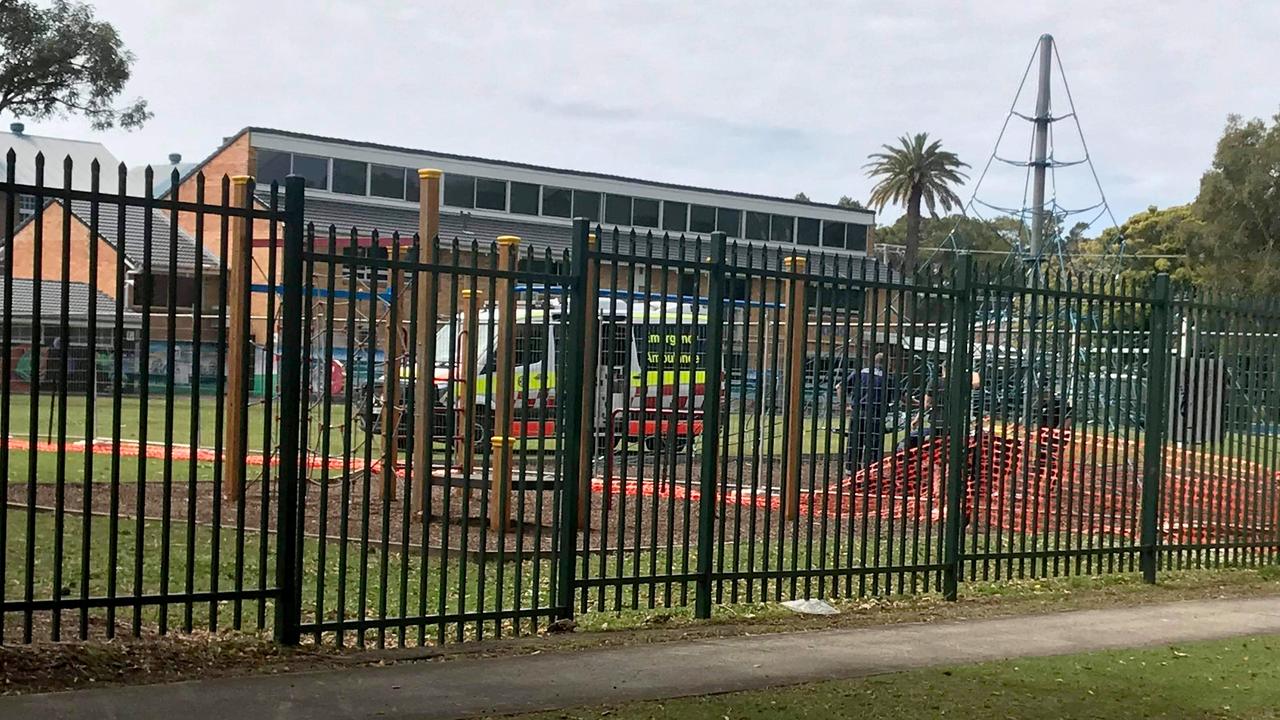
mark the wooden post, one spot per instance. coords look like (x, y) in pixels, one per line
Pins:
(590, 364)
(798, 327)
(238, 357)
(391, 375)
(503, 385)
(424, 396)
(468, 357)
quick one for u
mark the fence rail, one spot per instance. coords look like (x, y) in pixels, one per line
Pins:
(217, 415)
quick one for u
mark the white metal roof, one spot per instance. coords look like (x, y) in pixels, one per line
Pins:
(56, 150)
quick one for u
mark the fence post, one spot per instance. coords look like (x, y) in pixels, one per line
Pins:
(569, 402)
(590, 364)
(239, 358)
(1155, 421)
(424, 388)
(959, 385)
(710, 422)
(288, 609)
(798, 329)
(503, 390)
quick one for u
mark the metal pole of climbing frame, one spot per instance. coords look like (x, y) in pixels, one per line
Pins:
(238, 356)
(591, 336)
(391, 374)
(503, 385)
(468, 355)
(1040, 159)
(428, 312)
(798, 331)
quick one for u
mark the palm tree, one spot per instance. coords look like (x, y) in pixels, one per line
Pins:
(913, 171)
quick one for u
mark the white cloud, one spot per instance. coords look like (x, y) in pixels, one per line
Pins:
(765, 97)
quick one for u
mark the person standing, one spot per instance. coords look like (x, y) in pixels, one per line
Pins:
(868, 392)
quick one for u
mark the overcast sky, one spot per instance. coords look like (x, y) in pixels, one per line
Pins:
(765, 97)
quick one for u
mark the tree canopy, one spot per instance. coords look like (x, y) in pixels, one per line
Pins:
(1155, 241)
(1239, 206)
(60, 61)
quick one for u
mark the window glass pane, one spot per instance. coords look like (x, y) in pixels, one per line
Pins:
(524, 198)
(314, 169)
(491, 194)
(412, 187)
(728, 221)
(386, 181)
(557, 202)
(586, 204)
(702, 219)
(855, 237)
(617, 209)
(272, 167)
(832, 234)
(459, 190)
(689, 282)
(349, 176)
(781, 228)
(645, 212)
(531, 344)
(757, 226)
(807, 231)
(675, 216)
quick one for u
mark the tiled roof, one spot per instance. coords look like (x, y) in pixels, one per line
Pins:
(136, 238)
(51, 300)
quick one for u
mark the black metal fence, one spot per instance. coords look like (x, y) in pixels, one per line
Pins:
(219, 416)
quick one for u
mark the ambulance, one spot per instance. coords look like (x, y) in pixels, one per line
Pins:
(650, 378)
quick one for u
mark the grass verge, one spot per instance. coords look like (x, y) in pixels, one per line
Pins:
(1238, 678)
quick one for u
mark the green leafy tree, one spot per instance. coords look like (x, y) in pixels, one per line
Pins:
(60, 60)
(802, 197)
(913, 173)
(1154, 241)
(1239, 204)
(847, 202)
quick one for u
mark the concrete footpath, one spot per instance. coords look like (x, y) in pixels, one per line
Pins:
(479, 687)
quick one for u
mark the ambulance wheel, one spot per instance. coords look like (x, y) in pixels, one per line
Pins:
(663, 443)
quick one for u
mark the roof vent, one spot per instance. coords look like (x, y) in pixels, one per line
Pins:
(175, 158)
(16, 128)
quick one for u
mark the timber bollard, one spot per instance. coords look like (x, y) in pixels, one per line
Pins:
(797, 336)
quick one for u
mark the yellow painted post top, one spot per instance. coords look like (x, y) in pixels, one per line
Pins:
(468, 292)
(241, 179)
(591, 239)
(425, 173)
(498, 441)
(508, 240)
(794, 262)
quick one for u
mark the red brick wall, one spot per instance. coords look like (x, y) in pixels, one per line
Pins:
(51, 252)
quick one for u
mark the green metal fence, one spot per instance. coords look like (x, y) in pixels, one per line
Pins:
(463, 439)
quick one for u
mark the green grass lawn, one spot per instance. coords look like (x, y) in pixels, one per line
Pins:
(442, 588)
(1237, 678)
(130, 420)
